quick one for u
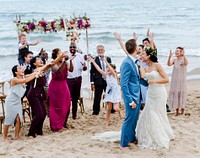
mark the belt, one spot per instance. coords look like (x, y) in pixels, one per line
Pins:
(75, 78)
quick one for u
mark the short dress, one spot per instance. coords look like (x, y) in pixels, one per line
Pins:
(113, 93)
(13, 105)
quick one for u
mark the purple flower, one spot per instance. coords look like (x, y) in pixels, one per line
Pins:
(85, 57)
(31, 26)
(80, 23)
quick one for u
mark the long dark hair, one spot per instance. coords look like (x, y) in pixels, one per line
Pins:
(150, 51)
(14, 70)
(32, 62)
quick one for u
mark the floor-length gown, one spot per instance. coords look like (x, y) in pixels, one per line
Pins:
(177, 92)
(59, 99)
(153, 129)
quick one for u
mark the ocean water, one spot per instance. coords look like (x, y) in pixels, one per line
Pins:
(174, 23)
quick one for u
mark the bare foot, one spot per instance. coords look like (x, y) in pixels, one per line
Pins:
(108, 123)
(7, 140)
(182, 111)
(177, 112)
(17, 138)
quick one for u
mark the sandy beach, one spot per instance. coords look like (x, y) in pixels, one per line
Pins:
(76, 141)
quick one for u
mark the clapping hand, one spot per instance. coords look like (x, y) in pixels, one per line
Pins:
(72, 57)
(104, 58)
(91, 59)
(39, 74)
(84, 66)
(26, 43)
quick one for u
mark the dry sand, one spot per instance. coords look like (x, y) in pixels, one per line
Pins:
(76, 141)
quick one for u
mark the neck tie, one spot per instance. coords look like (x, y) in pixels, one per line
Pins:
(103, 67)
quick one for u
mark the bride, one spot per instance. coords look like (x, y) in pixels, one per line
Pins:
(153, 129)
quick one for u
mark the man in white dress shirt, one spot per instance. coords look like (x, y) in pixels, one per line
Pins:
(74, 78)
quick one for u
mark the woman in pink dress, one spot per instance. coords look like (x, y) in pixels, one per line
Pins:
(58, 93)
(177, 92)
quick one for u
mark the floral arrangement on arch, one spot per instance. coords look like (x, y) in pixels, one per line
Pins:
(71, 26)
(74, 25)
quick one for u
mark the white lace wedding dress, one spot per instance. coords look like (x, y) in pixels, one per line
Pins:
(153, 129)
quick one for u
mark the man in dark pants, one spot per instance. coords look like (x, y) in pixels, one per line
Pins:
(98, 83)
(74, 78)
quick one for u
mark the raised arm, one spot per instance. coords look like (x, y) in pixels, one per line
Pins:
(15, 80)
(150, 36)
(35, 43)
(97, 66)
(110, 67)
(118, 37)
(185, 59)
(50, 65)
(169, 61)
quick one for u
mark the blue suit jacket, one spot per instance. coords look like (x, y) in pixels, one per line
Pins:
(130, 81)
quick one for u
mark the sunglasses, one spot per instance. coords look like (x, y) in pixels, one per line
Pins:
(72, 47)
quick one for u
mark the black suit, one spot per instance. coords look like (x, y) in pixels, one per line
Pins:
(100, 84)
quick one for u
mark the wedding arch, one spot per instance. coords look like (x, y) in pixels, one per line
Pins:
(71, 27)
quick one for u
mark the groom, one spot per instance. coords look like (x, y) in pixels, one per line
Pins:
(131, 91)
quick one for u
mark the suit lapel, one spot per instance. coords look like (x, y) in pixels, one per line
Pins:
(98, 61)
